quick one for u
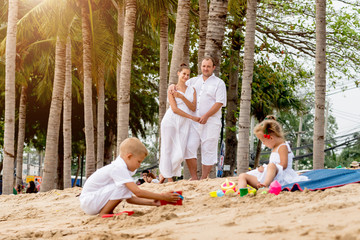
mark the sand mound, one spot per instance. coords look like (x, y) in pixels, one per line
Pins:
(330, 214)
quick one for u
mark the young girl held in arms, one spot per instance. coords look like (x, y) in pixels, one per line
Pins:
(270, 133)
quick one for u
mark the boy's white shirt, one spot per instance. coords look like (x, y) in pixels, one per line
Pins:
(115, 173)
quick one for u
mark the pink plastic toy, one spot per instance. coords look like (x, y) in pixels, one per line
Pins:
(275, 187)
(228, 186)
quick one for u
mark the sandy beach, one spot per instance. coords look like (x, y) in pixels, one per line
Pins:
(330, 214)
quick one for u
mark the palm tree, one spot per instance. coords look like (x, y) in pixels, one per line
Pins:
(88, 105)
(9, 128)
(215, 31)
(245, 99)
(320, 85)
(21, 134)
(164, 51)
(125, 75)
(182, 25)
(100, 117)
(67, 116)
(232, 99)
(52, 136)
(120, 30)
(203, 18)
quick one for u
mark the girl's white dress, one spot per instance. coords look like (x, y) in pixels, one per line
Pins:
(284, 176)
(174, 137)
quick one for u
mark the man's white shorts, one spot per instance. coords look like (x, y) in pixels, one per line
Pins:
(208, 135)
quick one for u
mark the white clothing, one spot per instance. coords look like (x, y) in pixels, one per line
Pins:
(155, 181)
(174, 137)
(284, 177)
(208, 135)
(209, 92)
(107, 183)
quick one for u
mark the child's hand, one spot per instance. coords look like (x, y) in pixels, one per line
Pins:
(171, 196)
(260, 185)
(157, 203)
(261, 169)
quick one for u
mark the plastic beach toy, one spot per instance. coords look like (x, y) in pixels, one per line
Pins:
(275, 187)
(243, 191)
(228, 185)
(178, 202)
(218, 193)
(129, 213)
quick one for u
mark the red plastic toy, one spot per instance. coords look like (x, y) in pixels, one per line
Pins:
(178, 202)
(129, 213)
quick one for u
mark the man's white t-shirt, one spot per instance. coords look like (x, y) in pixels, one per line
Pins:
(107, 183)
(209, 92)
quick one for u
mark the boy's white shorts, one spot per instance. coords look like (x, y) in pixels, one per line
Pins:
(92, 203)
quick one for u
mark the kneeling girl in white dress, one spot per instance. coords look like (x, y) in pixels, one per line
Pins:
(270, 133)
(175, 125)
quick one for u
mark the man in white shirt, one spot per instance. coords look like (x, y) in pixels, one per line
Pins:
(211, 97)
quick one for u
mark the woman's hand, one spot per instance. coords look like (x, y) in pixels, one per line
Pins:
(261, 169)
(195, 119)
(178, 95)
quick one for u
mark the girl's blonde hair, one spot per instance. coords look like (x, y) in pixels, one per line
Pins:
(270, 126)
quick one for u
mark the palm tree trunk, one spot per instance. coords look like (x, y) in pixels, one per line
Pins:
(88, 106)
(203, 18)
(120, 31)
(245, 100)
(21, 135)
(67, 117)
(215, 31)
(100, 119)
(125, 75)
(182, 24)
(9, 128)
(164, 51)
(258, 153)
(232, 104)
(186, 57)
(320, 85)
(52, 137)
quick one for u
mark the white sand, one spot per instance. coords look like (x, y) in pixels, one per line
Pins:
(329, 214)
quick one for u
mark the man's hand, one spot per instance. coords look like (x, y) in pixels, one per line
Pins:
(203, 119)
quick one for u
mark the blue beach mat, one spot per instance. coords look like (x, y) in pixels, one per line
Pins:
(325, 178)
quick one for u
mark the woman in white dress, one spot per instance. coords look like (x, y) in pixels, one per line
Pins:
(270, 133)
(175, 125)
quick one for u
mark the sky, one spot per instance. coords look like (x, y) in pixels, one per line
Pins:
(345, 107)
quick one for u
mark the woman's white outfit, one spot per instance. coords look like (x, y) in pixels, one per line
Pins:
(174, 137)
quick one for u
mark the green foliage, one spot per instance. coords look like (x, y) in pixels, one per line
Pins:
(287, 28)
(290, 122)
(350, 153)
